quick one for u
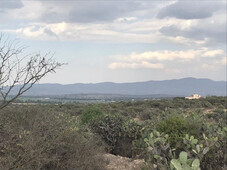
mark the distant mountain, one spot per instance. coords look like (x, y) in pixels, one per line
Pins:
(175, 87)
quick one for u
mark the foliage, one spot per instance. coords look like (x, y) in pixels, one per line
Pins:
(91, 114)
(216, 155)
(34, 138)
(218, 114)
(118, 132)
(109, 127)
(183, 163)
(176, 127)
(176, 133)
(160, 154)
(158, 151)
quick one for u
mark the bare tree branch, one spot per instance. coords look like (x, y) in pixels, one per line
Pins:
(18, 72)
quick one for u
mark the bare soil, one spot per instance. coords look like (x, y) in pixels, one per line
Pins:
(122, 163)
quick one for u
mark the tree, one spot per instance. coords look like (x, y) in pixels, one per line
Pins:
(19, 72)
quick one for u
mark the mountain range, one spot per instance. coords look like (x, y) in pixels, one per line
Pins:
(174, 87)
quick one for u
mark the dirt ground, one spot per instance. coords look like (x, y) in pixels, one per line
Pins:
(122, 163)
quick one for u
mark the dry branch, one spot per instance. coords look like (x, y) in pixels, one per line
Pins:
(18, 72)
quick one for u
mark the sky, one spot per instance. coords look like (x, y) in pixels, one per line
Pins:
(122, 40)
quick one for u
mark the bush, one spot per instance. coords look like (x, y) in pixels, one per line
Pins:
(36, 138)
(216, 157)
(218, 114)
(176, 126)
(149, 114)
(195, 125)
(91, 114)
(118, 132)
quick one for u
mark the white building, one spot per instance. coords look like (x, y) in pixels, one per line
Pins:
(194, 96)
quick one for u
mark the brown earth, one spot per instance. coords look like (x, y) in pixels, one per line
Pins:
(122, 163)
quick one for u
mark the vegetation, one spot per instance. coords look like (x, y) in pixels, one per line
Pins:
(175, 134)
(38, 138)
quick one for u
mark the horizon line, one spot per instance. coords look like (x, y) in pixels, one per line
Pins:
(136, 81)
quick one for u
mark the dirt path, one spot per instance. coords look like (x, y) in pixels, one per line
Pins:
(122, 163)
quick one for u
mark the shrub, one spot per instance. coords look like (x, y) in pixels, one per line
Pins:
(36, 138)
(158, 151)
(91, 114)
(216, 155)
(218, 114)
(109, 128)
(118, 132)
(149, 114)
(176, 127)
(195, 125)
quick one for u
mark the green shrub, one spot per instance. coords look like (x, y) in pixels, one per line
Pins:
(218, 114)
(176, 127)
(216, 155)
(195, 125)
(109, 128)
(91, 114)
(149, 113)
(118, 132)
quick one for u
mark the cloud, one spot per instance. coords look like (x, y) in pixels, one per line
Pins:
(143, 64)
(101, 10)
(122, 30)
(173, 70)
(214, 53)
(50, 33)
(10, 4)
(29, 13)
(167, 55)
(210, 31)
(83, 32)
(209, 67)
(126, 19)
(164, 55)
(191, 9)
(88, 11)
(161, 59)
(31, 31)
(224, 61)
(112, 21)
(93, 11)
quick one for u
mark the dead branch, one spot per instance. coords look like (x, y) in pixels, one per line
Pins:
(18, 72)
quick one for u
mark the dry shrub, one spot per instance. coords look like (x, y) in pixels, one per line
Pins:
(35, 138)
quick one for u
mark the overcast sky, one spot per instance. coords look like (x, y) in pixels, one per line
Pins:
(122, 41)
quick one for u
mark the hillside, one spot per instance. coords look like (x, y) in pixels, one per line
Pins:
(175, 87)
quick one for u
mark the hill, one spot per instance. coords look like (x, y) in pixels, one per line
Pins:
(175, 87)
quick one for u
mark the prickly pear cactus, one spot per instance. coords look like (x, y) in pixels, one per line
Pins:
(183, 163)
